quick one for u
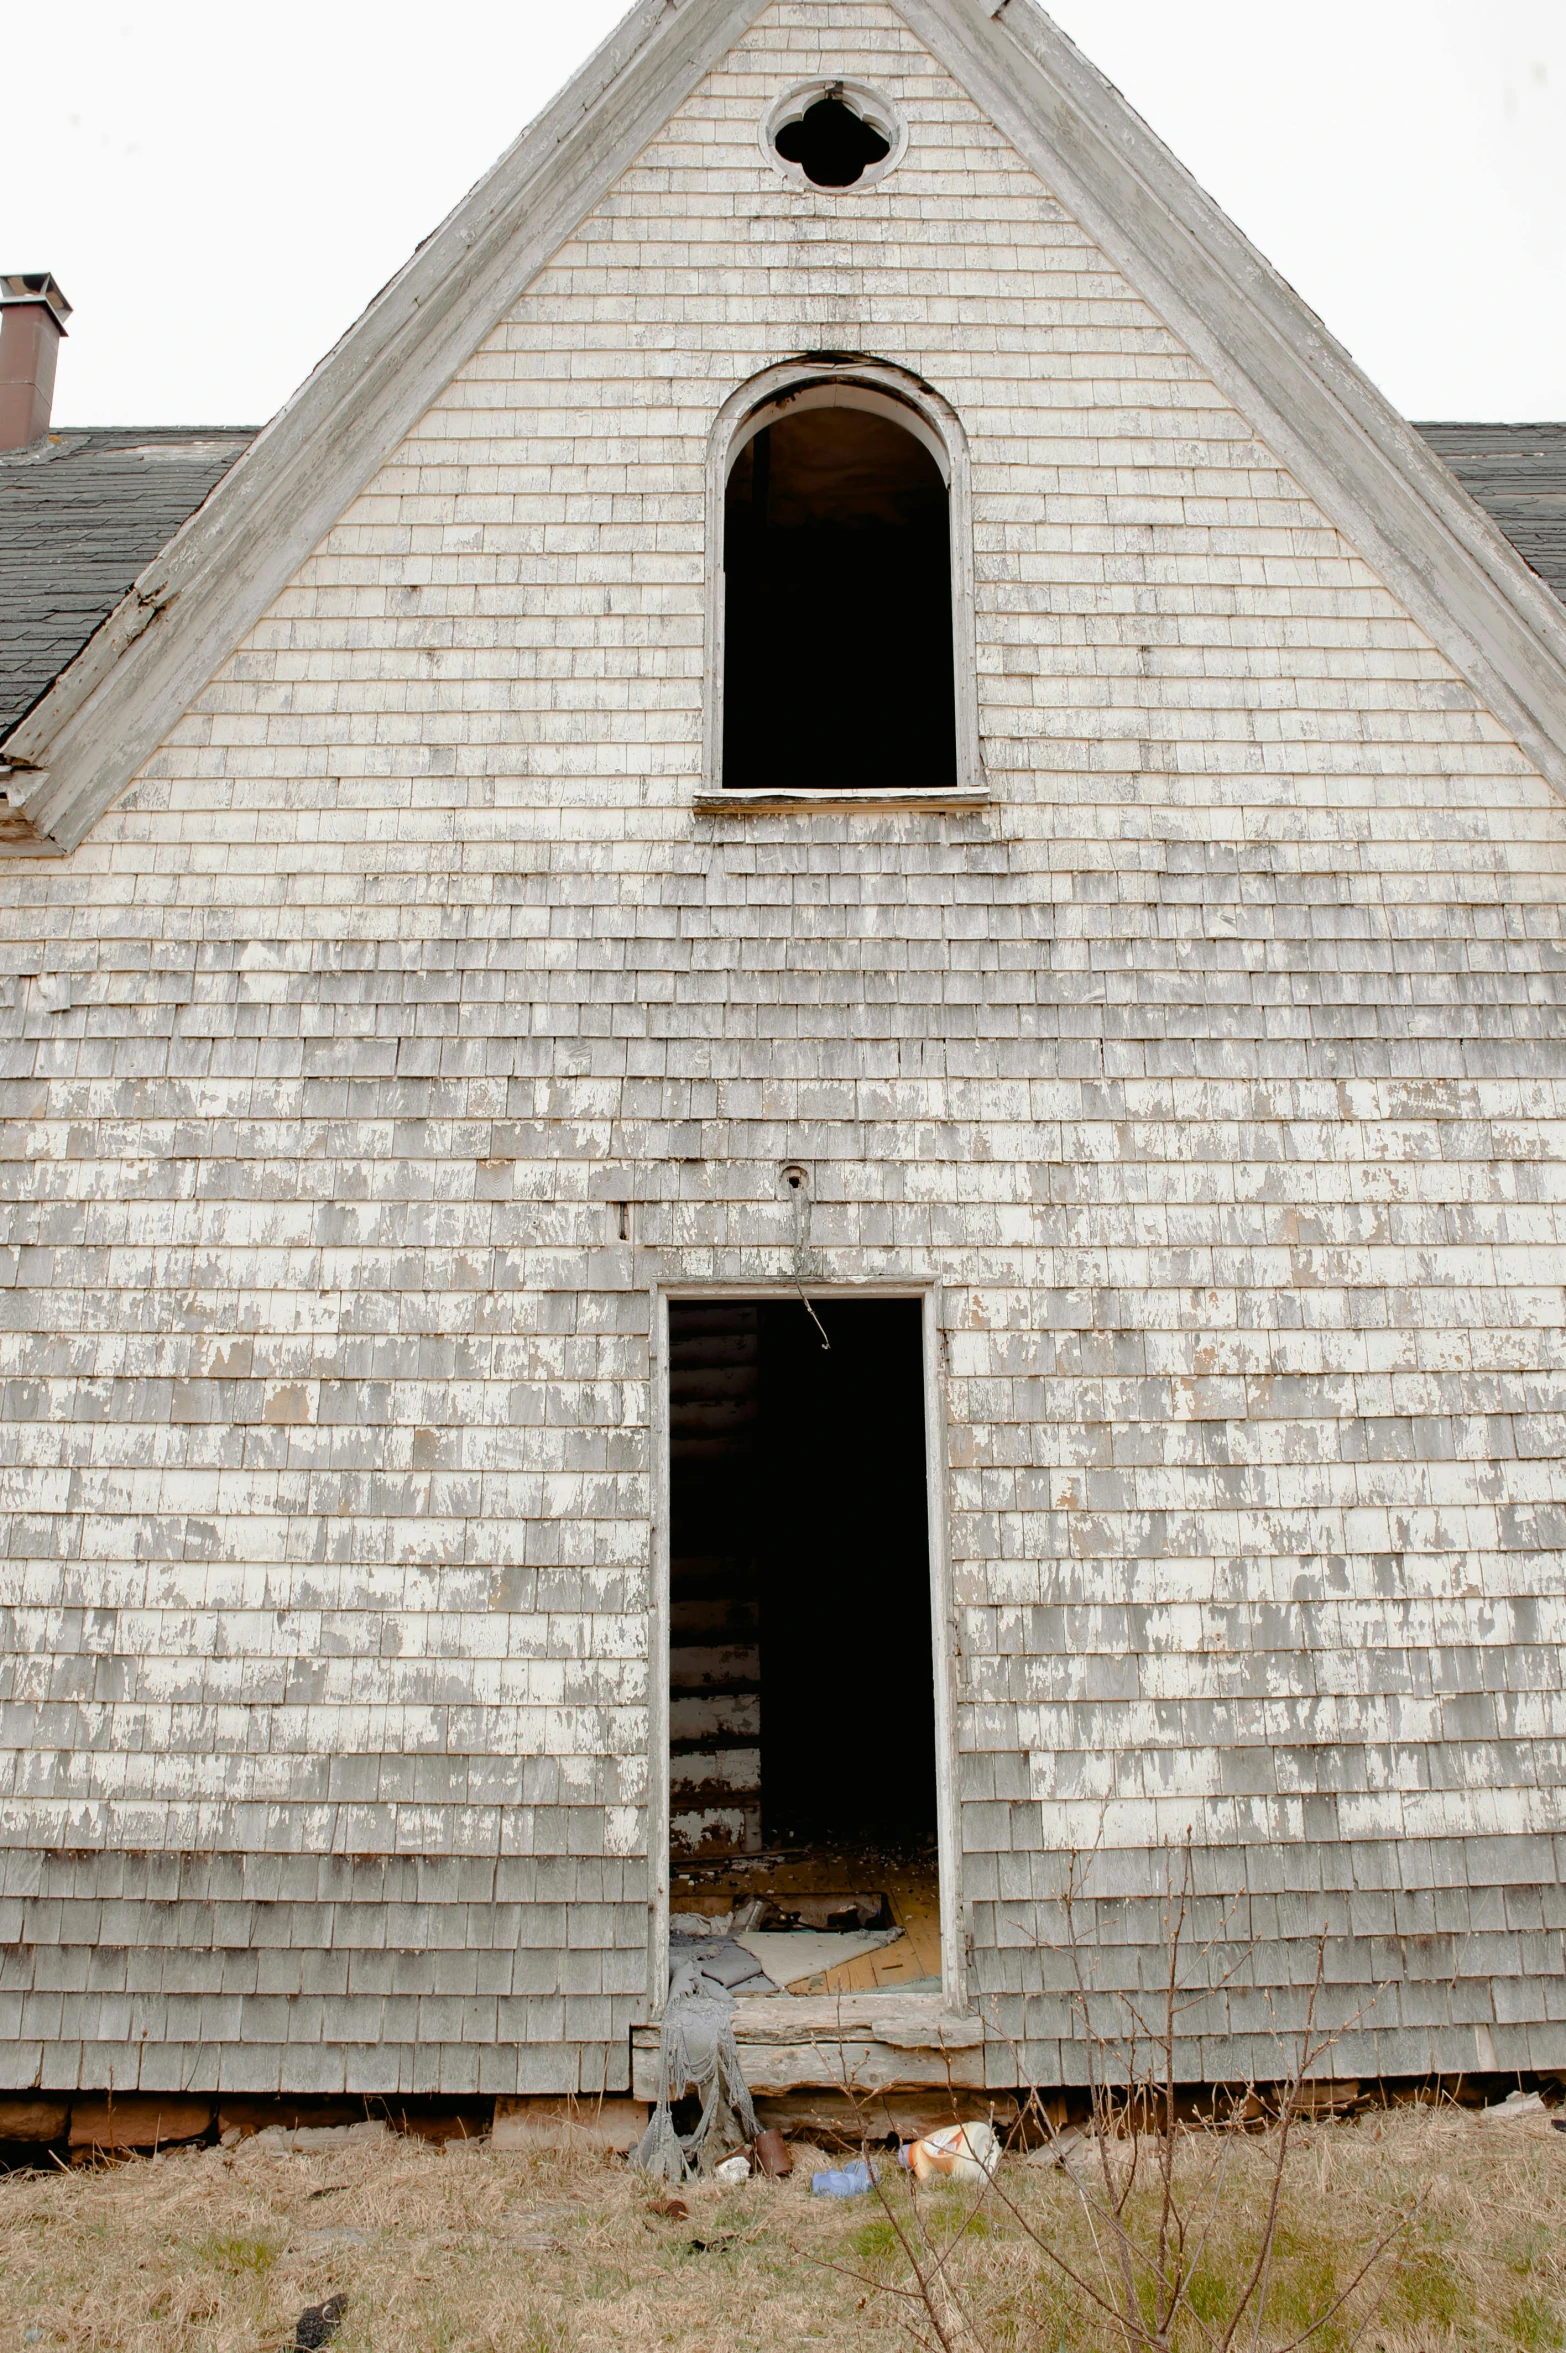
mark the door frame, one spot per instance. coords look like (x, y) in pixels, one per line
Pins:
(953, 1998)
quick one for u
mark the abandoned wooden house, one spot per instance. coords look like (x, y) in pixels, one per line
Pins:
(784, 1131)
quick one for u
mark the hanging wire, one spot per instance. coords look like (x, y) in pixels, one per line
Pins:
(799, 1186)
(810, 1311)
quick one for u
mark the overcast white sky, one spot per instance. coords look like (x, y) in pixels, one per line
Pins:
(220, 191)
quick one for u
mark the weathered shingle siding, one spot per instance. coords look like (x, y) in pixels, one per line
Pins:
(1216, 1072)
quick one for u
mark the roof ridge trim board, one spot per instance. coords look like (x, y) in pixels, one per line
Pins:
(1396, 502)
(1393, 498)
(84, 741)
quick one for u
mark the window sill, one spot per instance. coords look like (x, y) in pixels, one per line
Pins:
(740, 803)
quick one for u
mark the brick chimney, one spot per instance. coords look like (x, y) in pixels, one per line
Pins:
(33, 313)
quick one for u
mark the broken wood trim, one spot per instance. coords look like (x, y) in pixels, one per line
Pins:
(854, 2043)
(915, 2022)
(19, 836)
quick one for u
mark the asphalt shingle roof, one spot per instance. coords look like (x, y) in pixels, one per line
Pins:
(81, 514)
(1517, 473)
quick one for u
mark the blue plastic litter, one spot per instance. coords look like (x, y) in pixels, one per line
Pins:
(843, 2181)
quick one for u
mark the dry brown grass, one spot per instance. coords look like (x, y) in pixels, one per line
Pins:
(469, 2252)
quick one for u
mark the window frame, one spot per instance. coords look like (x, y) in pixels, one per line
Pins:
(885, 390)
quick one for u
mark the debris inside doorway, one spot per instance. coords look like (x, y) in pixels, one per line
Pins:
(793, 1957)
(768, 1960)
(816, 1921)
(843, 1914)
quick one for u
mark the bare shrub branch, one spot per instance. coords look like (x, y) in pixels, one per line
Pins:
(1160, 2190)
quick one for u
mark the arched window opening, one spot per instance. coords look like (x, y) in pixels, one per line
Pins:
(839, 671)
(832, 144)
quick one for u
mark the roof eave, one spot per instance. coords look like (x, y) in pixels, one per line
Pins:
(1396, 502)
(86, 739)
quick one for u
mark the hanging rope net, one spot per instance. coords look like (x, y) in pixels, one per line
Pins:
(697, 2053)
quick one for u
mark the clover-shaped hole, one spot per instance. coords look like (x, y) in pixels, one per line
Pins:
(832, 144)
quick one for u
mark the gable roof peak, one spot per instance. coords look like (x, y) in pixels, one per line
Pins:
(1374, 477)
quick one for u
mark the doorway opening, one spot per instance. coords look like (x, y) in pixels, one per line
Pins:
(803, 1820)
(839, 657)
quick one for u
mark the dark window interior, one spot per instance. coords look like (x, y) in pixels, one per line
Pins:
(802, 1700)
(832, 145)
(838, 617)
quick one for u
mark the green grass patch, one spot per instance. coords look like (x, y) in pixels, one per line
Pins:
(239, 2256)
(1209, 2294)
(1428, 2292)
(1534, 2326)
(877, 2242)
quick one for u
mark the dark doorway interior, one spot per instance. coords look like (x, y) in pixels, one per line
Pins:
(848, 1728)
(838, 664)
(802, 1685)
